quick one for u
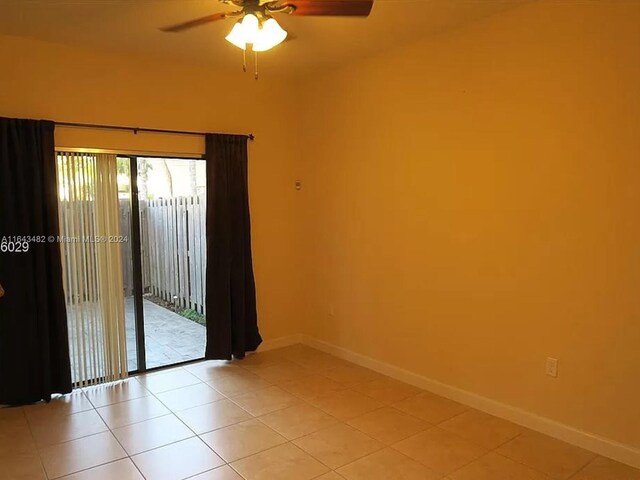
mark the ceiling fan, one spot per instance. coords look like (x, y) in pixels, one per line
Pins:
(257, 30)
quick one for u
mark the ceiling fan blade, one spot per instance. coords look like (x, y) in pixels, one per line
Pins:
(194, 23)
(339, 8)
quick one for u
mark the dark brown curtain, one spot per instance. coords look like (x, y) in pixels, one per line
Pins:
(232, 326)
(34, 349)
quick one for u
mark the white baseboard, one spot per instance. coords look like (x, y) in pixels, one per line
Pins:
(595, 443)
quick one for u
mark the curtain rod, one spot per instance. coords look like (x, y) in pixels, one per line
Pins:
(135, 130)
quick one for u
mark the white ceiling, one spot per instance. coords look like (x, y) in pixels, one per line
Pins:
(131, 26)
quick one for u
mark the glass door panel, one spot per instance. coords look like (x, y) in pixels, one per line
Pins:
(172, 212)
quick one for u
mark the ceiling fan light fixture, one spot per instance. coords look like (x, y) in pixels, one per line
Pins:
(250, 27)
(236, 36)
(262, 36)
(244, 31)
(270, 35)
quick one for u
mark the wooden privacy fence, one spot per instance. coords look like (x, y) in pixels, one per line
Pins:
(173, 249)
(177, 250)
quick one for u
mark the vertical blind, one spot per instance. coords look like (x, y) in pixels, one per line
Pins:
(92, 266)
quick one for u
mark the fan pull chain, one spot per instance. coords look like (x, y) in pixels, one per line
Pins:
(255, 60)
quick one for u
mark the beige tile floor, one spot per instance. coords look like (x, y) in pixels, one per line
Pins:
(288, 414)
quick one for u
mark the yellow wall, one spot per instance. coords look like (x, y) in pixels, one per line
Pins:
(42, 80)
(472, 207)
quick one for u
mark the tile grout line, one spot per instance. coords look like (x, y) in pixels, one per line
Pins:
(306, 402)
(109, 430)
(199, 436)
(278, 383)
(584, 467)
(174, 413)
(171, 413)
(35, 443)
(495, 451)
(116, 439)
(524, 464)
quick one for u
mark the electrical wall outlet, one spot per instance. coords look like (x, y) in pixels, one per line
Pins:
(551, 367)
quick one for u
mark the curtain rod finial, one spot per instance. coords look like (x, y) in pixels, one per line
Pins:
(251, 137)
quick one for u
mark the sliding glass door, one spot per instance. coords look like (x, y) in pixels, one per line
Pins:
(134, 256)
(171, 229)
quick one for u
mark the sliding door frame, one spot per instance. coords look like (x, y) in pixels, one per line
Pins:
(136, 253)
(136, 262)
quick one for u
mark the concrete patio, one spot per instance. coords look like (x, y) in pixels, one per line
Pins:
(169, 337)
